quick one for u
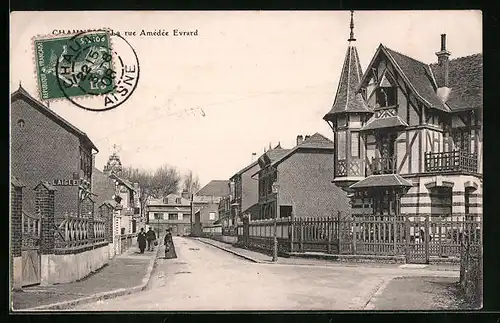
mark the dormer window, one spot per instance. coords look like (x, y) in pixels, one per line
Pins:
(386, 97)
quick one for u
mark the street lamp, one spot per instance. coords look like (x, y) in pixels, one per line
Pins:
(276, 189)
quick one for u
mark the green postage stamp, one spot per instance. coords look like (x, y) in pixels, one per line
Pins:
(74, 66)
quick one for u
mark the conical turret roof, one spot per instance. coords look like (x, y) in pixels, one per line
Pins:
(347, 99)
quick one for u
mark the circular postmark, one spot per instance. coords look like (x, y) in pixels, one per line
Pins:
(100, 67)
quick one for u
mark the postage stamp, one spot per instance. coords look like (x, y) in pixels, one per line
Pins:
(74, 66)
(86, 69)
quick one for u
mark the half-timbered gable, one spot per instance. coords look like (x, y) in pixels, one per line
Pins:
(419, 133)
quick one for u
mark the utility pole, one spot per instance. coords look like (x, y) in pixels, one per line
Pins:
(192, 209)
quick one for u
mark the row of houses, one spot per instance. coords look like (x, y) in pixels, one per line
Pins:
(91, 211)
(407, 144)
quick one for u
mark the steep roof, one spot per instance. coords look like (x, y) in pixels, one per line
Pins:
(465, 77)
(348, 99)
(123, 181)
(419, 76)
(21, 93)
(276, 153)
(316, 141)
(241, 171)
(215, 188)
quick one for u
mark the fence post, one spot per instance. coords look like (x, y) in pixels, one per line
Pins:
(354, 235)
(301, 225)
(426, 239)
(292, 233)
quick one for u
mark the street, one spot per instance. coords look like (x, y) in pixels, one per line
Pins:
(206, 278)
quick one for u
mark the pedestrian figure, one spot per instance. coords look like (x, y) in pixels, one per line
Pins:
(151, 236)
(169, 245)
(141, 239)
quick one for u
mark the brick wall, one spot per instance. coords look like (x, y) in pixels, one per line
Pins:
(43, 150)
(44, 201)
(305, 183)
(16, 195)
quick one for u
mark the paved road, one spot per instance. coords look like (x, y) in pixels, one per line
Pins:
(206, 278)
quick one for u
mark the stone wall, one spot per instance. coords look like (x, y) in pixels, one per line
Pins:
(57, 269)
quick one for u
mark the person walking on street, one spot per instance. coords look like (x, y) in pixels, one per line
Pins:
(151, 236)
(141, 239)
(167, 240)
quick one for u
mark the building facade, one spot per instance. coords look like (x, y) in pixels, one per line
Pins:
(408, 135)
(244, 192)
(46, 147)
(303, 177)
(206, 204)
(173, 211)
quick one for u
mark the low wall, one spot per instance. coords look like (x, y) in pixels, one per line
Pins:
(58, 269)
(17, 272)
(226, 239)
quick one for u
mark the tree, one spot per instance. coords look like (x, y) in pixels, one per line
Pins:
(191, 182)
(158, 184)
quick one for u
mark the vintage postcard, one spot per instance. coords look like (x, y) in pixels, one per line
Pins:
(246, 160)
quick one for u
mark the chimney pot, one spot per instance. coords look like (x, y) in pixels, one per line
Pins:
(443, 42)
(300, 138)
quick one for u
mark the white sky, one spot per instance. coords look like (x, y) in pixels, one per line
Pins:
(260, 77)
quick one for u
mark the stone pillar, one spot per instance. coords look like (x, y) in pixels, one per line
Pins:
(44, 203)
(16, 195)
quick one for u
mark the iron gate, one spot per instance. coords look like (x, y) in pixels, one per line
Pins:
(30, 249)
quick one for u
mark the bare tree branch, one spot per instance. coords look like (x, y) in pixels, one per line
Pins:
(191, 182)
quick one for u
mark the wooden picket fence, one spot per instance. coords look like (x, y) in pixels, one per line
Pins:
(416, 237)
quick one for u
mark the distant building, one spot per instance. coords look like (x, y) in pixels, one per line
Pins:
(206, 204)
(244, 191)
(304, 178)
(173, 211)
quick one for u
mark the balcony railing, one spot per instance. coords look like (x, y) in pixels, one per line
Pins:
(451, 161)
(385, 165)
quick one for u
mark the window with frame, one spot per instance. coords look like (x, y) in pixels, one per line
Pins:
(386, 96)
(355, 144)
(158, 216)
(341, 145)
(211, 215)
(341, 121)
(172, 216)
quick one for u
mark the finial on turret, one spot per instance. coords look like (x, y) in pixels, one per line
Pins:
(351, 38)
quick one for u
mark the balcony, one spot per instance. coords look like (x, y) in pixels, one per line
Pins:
(378, 166)
(350, 168)
(451, 161)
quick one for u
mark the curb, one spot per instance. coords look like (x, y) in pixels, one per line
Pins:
(231, 251)
(98, 297)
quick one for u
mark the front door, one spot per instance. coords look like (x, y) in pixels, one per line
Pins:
(417, 240)
(30, 250)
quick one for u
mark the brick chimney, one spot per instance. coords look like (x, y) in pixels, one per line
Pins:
(307, 137)
(443, 55)
(443, 62)
(185, 194)
(300, 139)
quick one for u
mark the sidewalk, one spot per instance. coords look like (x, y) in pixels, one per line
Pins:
(263, 258)
(124, 274)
